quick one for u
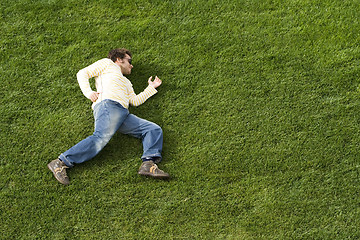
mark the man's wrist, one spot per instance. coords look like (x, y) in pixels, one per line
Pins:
(151, 89)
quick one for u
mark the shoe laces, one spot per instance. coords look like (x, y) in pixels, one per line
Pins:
(154, 168)
(61, 169)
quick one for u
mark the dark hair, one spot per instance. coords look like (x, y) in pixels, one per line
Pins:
(118, 53)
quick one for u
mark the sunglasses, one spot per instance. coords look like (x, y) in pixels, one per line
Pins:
(129, 60)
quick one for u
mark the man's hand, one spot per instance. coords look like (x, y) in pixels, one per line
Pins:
(157, 82)
(94, 96)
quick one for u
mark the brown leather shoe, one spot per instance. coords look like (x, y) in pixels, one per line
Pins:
(149, 168)
(59, 170)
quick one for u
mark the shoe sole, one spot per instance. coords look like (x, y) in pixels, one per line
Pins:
(154, 176)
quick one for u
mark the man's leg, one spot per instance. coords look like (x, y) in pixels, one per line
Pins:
(152, 139)
(149, 132)
(108, 115)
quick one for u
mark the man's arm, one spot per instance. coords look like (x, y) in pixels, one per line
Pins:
(139, 99)
(85, 74)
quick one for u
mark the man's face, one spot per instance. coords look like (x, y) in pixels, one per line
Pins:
(125, 64)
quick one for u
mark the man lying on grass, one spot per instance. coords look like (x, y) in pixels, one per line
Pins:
(111, 100)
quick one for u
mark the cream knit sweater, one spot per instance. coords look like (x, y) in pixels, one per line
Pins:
(111, 84)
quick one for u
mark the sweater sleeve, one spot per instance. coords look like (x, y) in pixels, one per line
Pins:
(85, 74)
(136, 100)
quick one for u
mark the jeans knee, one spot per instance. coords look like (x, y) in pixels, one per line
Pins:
(101, 139)
(157, 129)
(153, 130)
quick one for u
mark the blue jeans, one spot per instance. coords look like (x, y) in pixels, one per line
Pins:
(110, 117)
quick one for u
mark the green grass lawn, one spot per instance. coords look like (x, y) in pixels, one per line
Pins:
(259, 106)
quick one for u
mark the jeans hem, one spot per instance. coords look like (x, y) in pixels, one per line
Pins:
(64, 160)
(153, 157)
